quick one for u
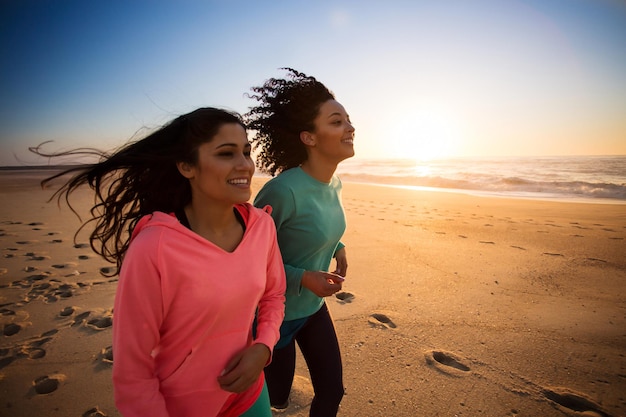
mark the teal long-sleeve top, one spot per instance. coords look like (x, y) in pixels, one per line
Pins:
(310, 222)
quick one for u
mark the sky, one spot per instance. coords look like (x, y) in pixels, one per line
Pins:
(420, 78)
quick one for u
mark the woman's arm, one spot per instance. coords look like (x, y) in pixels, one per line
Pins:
(138, 315)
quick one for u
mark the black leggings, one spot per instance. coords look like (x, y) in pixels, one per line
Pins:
(318, 343)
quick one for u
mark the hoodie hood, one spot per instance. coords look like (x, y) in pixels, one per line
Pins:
(248, 212)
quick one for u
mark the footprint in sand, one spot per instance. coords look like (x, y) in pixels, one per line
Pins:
(552, 225)
(94, 412)
(65, 265)
(65, 290)
(596, 260)
(38, 277)
(344, 297)
(573, 401)
(446, 362)
(79, 319)
(30, 350)
(34, 352)
(100, 323)
(48, 383)
(6, 361)
(107, 270)
(26, 242)
(6, 312)
(67, 311)
(50, 292)
(34, 257)
(33, 349)
(11, 329)
(45, 338)
(106, 355)
(381, 320)
(50, 333)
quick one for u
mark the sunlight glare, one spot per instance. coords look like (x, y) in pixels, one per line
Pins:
(424, 135)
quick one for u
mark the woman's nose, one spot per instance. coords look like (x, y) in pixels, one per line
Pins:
(245, 162)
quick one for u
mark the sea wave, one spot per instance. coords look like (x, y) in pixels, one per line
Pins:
(512, 186)
(589, 178)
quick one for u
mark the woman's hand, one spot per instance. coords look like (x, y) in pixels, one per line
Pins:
(244, 368)
(322, 284)
(342, 262)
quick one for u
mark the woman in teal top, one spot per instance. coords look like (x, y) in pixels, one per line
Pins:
(303, 133)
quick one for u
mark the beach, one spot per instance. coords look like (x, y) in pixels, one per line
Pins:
(453, 305)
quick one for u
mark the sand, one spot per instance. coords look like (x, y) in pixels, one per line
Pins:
(454, 305)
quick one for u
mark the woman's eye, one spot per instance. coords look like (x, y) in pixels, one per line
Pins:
(246, 154)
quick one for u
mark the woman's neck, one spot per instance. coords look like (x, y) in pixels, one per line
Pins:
(320, 170)
(217, 224)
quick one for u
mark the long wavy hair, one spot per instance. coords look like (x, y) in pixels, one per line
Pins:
(138, 179)
(286, 107)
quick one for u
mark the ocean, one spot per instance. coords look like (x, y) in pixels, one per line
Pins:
(600, 179)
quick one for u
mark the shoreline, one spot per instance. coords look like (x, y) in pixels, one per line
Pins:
(495, 194)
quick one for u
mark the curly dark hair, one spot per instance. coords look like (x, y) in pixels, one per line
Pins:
(139, 178)
(287, 106)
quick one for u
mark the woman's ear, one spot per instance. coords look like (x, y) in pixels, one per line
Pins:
(307, 138)
(185, 169)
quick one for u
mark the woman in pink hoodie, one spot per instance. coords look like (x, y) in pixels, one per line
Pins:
(197, 265)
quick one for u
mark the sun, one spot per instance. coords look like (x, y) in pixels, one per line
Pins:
(424, 135)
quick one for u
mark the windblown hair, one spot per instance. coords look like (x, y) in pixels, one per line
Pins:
(139, 178)
(286, 108)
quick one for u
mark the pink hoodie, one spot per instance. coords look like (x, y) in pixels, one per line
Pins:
(184, 307)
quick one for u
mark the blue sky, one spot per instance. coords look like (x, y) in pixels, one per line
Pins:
(420, 79)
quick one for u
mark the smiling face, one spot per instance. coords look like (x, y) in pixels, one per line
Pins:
(333, 137)
(224, 169)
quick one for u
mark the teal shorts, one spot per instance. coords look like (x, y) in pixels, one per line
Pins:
(288, 330)
(261, 407)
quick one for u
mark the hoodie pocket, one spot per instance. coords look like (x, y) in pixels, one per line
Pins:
(202, 366)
